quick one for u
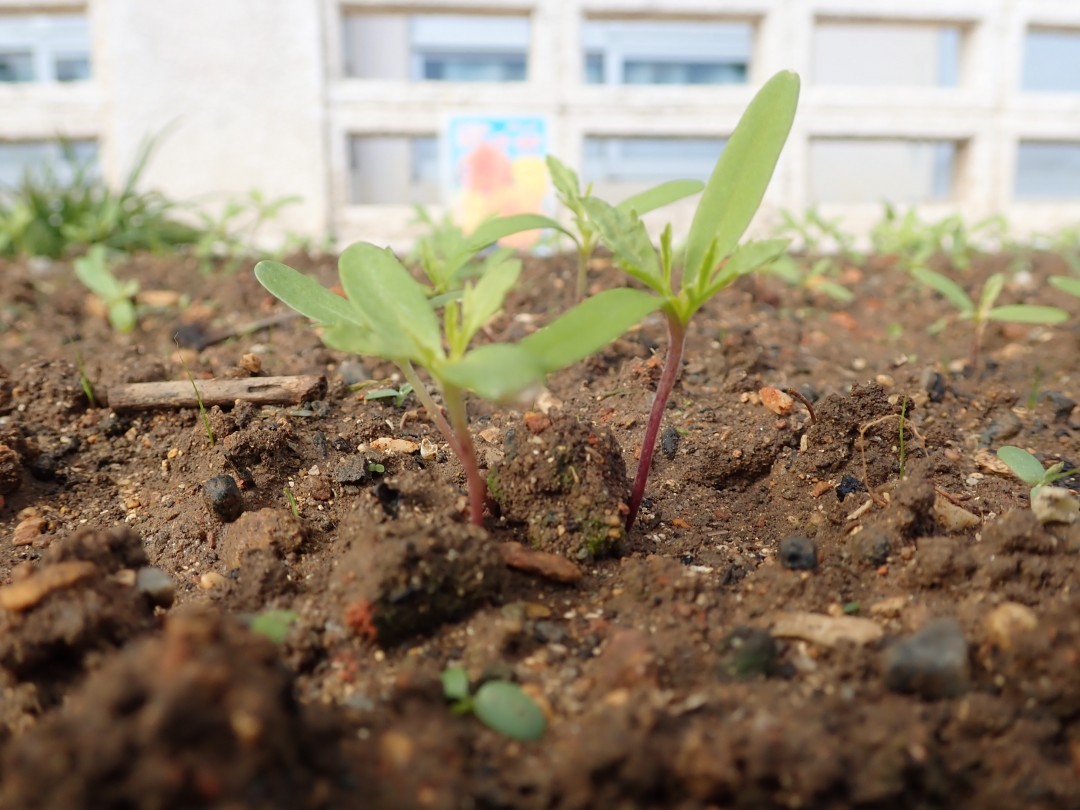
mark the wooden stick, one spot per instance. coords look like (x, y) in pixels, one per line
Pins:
(180, 394)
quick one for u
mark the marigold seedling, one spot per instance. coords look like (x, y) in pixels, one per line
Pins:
(1030, 470)
(117, 296)
(399, 395)
(387, 313)
(714, 258)
(984, 312)
(502, 706)
(274, 624)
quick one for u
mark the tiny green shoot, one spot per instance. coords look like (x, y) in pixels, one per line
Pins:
(293, 506)
(399, 394)
(500, 705)
(1030, 470)
(84, 380)
(713, 258)
(983, 312)
(274, 624)
(117, 296)
(587, 236)
(198, 398)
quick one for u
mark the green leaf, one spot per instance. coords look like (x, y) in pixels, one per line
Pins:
(588, 327)
(493, 230)
(304, 294)
(565, 180)
(394, 304)
(93, 271)
(356, 339)
(455, 683)
(121, 314)
(503, 707)
(835, 291)
(737, 185)
(496, 372)
(746, 258)
(274, 624)
(1028, 313)
(1066, 284)
(627, 238)
(480, 302)
(658, 196)
(947, 287)
(990, 292)
(1027, 468)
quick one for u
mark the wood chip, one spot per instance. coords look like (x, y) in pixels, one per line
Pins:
(26, 593)
(952, 517)
(828, 631)
(402, 447)
(776, 400)
(989, 462)
(539, 563)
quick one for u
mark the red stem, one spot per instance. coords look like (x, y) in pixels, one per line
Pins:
(672, 364)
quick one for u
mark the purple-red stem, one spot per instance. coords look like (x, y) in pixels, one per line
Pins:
(672, 364)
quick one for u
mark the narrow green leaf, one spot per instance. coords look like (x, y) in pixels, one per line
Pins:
(588, 327)
(496, 372)
(503, 707)
(1028, 313)
(835, 291)
(658, 196)
(947, 287)
(1027, 468)
(990, 291)
(1066, 284)
(737, 185)
(627, 238)
(482, 301)
(493, 230)
(304, 294)
(121, 314)
(395, 305)
(455, 683)
(565, 180)
(746, 258)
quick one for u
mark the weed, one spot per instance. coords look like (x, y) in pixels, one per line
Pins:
(84, 380)
(713, 257)
(117, 296)
(984, 312)
(399, 394)
(293, 506)
(274, 623)
(198, 398)
(232, 234)
(1030, 470)
(914, 242)
(500, 705)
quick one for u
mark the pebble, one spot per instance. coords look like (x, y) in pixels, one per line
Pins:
(933, 384)
(224, 498)
(1055, 505)
(873, 546)
(669, 442)
(26, 593)
(1062, 405)
(352, 372)
(849, 485)
(211, 580)
(352, 470)
(1008, 622)
(776, 400)
(156, 584)
(536, 422)
(932, 663)
(825, 630)
(798, 553)
(1005, 426)
(28, 531)
(539, 563)
(400, 446)
(954, 518)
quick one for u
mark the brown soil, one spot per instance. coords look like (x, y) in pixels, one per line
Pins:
(790, 624)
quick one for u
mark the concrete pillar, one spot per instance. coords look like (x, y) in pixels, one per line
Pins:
(237, 88)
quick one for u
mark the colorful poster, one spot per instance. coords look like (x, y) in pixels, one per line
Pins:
(495, 167)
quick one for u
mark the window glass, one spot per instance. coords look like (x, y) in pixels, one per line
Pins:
(1048, 171)
(16, 66)
(44, 47)
(851, 170)
(1052, 61)
(393, 170)
(877, 54)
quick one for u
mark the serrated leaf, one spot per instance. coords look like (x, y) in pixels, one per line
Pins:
(745, 259)
(1027, 468)
(1066, 284)
(588, 327)
(565, 180)
(952, 291)
(658, 196)
(455, 683)
(503, 707)
(745, 167)
(304, 294)
(490, 232)
(480, 302)
(394, 304)
(496, 372)
(627, 238)
(1028, 313)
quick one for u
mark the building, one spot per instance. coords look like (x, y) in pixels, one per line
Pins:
(969, 106)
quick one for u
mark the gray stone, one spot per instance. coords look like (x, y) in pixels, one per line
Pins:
(156, 585)
(798, 553)
(932, 663)
(224, 498)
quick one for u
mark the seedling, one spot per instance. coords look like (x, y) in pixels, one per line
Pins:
(117, 296)
(500, 705)
(570, 194)
(232, 234)
(84, 380)
(714, 258)
(399, 394)
(1030, 470)
(813, 279)
(273, 624)
(198, 398)
(293, 506)
(914, 242)
(984, 312)
(1067, 284)
(389, 314)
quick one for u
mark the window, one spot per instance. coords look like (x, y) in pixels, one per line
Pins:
(851, 170)
(1052, 61)
(1047, 170)
(626, 165)
(44, 48)
(17, 158)
(436, 47)
(393, 170)
(897, 54)
(666, 52)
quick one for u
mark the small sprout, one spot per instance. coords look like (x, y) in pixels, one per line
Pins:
(274, 624)
(292, 502)
(1030, 470)
(399, 394)
(84, 380)
(1067, 284)
(374, 467)
(502, 706)
(117, 296)
(982, 313)
(198, 398)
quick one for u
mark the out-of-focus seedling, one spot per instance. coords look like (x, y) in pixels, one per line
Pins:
(502, 706)
(117, 296)
(274, 624)
(399, 395)
(1030, 470)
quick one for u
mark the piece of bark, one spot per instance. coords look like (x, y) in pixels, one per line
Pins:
(181, 394)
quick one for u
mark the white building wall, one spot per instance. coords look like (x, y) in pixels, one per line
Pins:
(257, 95)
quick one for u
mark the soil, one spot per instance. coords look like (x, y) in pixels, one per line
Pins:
(837, 601)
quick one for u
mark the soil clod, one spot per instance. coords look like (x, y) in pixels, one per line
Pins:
(798, 553)
(224, 497)
(932, 663)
